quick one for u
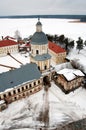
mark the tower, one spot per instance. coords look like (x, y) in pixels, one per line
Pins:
(39, 49)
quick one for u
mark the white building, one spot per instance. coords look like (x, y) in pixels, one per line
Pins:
(8, 45)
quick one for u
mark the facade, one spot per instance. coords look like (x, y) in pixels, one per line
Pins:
(24, 81)
(70, 79)
(8, 46)
(39, 49)
(57, 53)
(19, 83)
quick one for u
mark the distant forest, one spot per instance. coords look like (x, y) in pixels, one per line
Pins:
(81, 17)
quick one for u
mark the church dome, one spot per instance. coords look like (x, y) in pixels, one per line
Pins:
(39, 38)
(38, 23)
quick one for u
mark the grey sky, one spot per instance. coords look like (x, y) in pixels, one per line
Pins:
(29, 7)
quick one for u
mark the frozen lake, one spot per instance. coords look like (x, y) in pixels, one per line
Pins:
(26, 27)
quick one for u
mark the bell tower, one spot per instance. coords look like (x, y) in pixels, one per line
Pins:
(39, 49)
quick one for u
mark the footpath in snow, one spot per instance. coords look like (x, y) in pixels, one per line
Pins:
(62, 108)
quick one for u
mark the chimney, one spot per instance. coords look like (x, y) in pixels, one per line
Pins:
(2, 37)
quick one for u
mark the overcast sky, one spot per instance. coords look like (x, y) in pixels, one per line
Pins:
(30, 7)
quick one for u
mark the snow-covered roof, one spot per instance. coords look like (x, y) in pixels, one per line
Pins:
(70, 74)
(63, 65)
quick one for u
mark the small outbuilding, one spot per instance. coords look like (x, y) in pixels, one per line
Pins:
(69, 79)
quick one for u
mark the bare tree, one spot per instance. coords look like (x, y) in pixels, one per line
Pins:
(17, 35)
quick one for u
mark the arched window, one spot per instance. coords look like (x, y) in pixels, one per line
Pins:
(39, 67)
(45, 67)
(34, 83)
(18, 90)
(9, 93)
(30, 91)
(14, 92)
(22, 88)
(38, 81)
(4, 95)
(26, 87)
(37, 52)
(30, 85)
(15, 98)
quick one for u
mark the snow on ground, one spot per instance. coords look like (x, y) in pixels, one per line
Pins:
(62, 108)
(22, 114)
(78, 57)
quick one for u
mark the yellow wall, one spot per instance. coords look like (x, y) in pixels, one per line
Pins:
(10, 49)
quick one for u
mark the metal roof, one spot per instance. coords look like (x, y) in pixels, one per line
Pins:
(55, 48)
(39, 23)
(42, 57)
(4, 43)
(19, 76)
(39, 38)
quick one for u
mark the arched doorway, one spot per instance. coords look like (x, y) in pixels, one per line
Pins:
(46, 81)
(45, 67)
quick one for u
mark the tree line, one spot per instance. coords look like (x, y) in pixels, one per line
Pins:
(61, 40)
(66, 42)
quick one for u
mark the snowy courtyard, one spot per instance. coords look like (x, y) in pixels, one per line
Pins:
(63, 108)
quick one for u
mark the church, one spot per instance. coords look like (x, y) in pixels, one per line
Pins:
(39, 49)
(29, 78)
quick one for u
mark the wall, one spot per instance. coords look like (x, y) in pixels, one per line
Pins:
(42, 49)
(10, 49)
(21, 91)
(57, 57)
(68, 85)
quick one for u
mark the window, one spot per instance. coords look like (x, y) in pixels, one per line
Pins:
(45, 67)
(26, 87)
(18, 90)
(15, 98)
(9, 93)
(4, 95)
(37, 52)
(30, 85)
(39, 67)
(22, 88)
(30, 91)
(14, 92)
(38, 81)
(34, 83)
